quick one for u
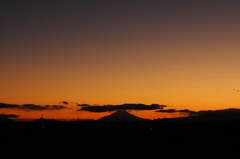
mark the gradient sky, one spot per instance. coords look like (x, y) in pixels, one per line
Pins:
(180, 53)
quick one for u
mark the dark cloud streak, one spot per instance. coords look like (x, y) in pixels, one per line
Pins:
(187, 111)
(174, 110)
(4, 105)
(106, 108)
(166, 110)
(64, 102)
(222, 112)
(5, 116)
(83, 105)
(32, 107)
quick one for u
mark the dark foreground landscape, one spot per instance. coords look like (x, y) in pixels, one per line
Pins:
(146, 139)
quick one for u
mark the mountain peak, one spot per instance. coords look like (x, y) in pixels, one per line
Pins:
(121, 115)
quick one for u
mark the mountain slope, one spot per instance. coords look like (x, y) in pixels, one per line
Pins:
(121, 115)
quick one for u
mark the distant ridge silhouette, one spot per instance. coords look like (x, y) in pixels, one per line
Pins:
(40, 120)
(6, 120)
(121, 115)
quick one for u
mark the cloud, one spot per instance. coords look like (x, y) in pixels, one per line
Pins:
(83, 105)
(187, 111)
(32, 107)
(207, 115)
(230, 111)
(4, 105)
(166, 110)
(106, 108)
(39, 107)
(64, 102)
(237, 90)
(174, 110)
(5, 116)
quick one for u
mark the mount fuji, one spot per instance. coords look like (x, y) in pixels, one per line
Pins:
(121, 115)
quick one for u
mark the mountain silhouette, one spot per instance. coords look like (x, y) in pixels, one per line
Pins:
(121, 115)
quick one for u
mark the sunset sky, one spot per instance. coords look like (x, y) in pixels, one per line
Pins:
(181, 53)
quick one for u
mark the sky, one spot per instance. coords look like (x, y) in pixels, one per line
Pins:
(183, 54)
